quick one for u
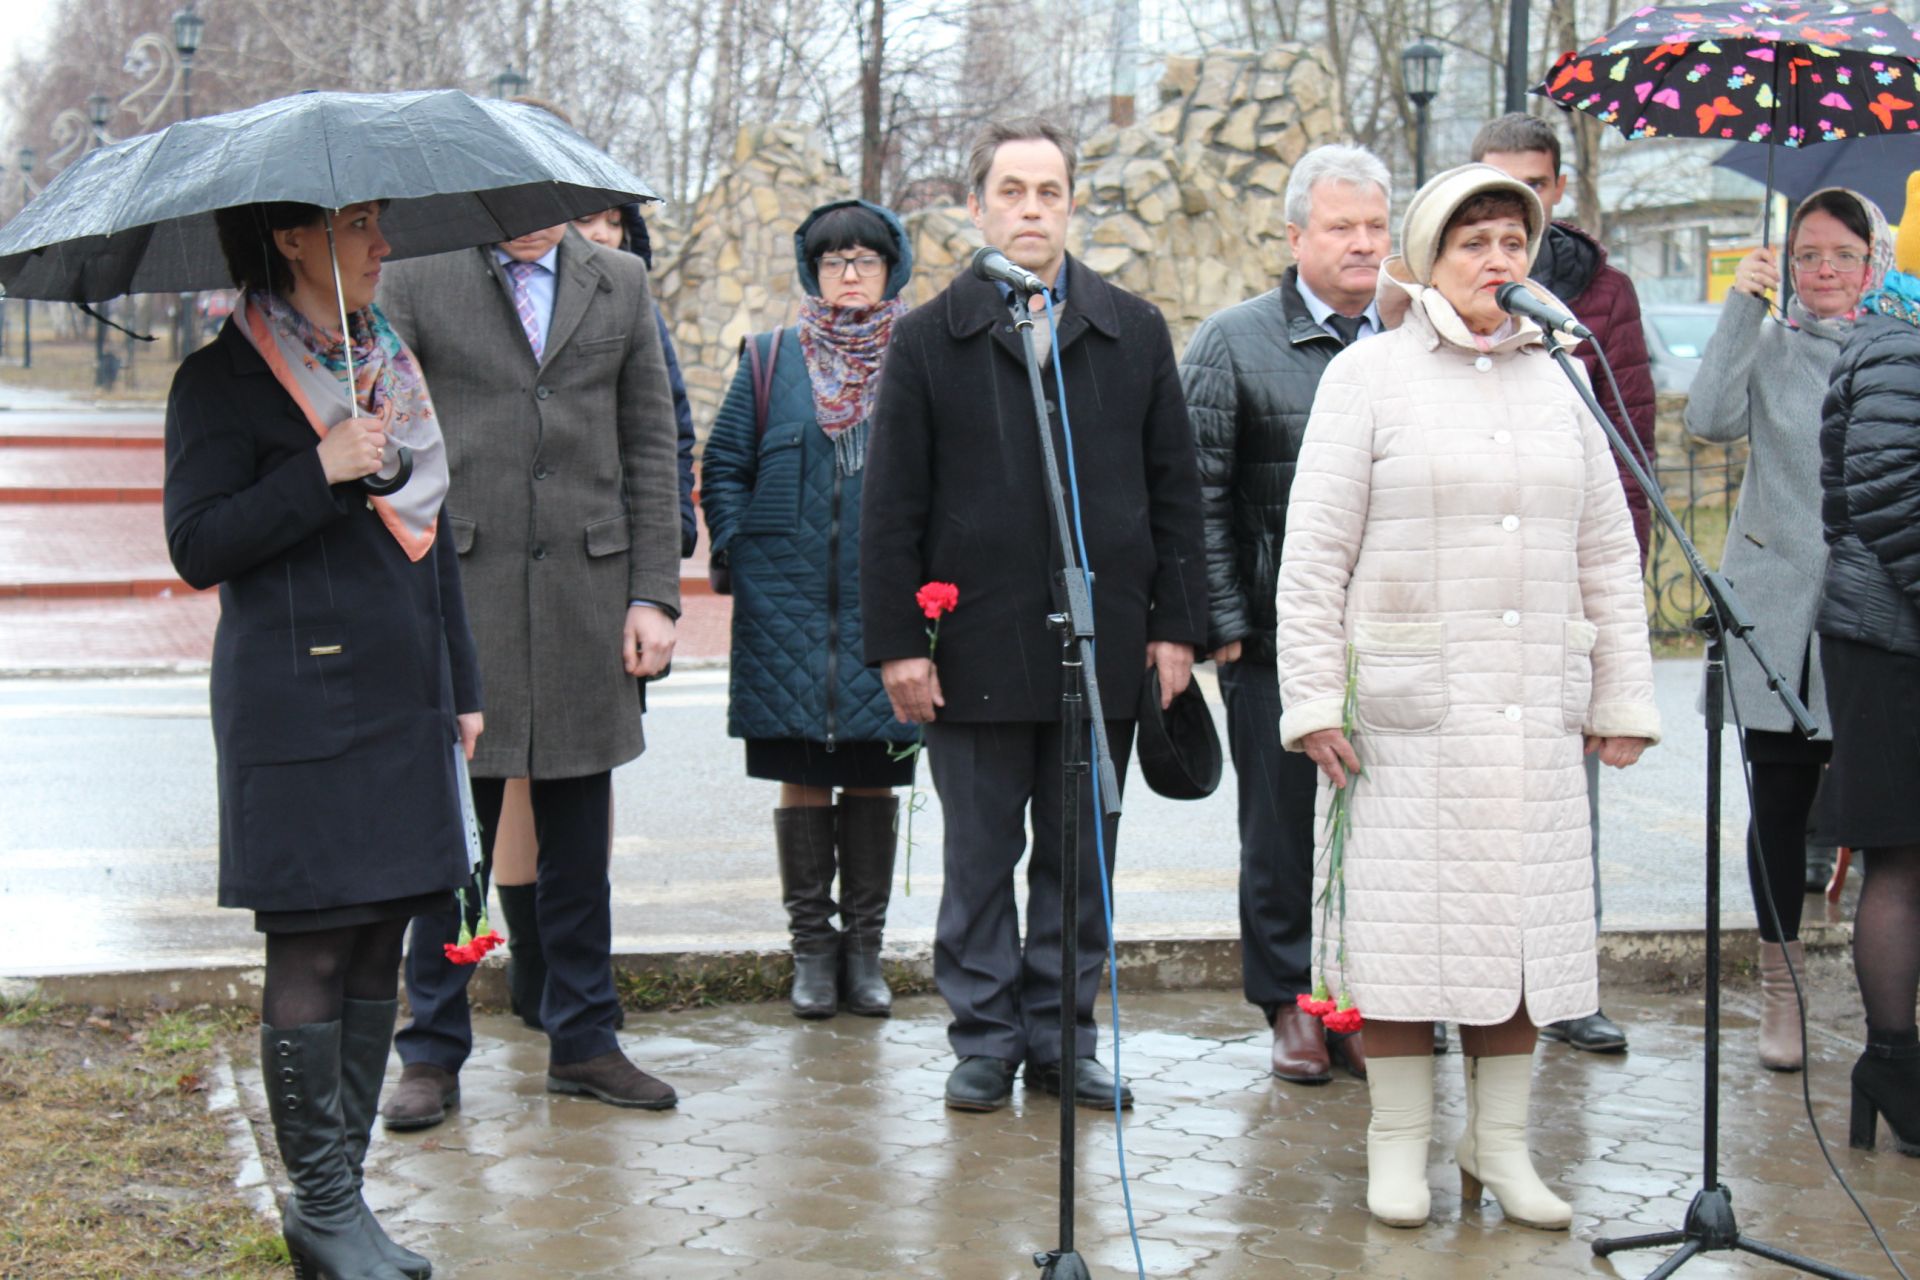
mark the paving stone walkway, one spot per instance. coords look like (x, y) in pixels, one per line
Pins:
(808, 1151)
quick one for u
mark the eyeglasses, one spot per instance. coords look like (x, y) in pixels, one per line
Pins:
(867, 265)
(1844, 261)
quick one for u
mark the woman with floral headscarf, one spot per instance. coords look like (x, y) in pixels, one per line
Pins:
(781, 485)
(1869, 624)
(1762, 379)
(344, 679)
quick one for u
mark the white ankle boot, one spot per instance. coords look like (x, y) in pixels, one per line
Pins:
(1397, 1136)
(1493, 1150)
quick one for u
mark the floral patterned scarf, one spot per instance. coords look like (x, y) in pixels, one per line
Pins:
(310, 365)
(843, 348)
(1898, 296)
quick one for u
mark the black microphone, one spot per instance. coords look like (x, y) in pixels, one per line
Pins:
(1516, 299)
(991, 264)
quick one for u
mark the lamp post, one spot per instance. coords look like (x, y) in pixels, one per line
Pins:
(26, 158)
(1420, 75)
(509, 83)
(99, 111)
(188, 27)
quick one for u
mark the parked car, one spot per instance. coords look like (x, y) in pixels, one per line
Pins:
(1677, 334)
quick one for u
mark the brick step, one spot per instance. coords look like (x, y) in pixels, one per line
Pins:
(80, 473)
(127, 429)
(71, 549)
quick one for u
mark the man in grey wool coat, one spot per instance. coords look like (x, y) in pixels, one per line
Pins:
(545, 364)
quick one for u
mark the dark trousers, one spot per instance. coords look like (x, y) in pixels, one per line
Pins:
(1005, 994)
(572, 899)
(1276, 791)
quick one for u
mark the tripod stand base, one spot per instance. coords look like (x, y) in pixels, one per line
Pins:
(1061, 1266)
(1710, 1226)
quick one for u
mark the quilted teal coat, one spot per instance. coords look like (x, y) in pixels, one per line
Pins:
(788, 524)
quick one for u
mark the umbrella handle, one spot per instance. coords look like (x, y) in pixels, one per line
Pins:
(379, 487)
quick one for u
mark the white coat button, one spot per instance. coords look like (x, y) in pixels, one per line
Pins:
(1484, 363)
(1513, 713)
(1503, 437)
(1510, 523)
(1511, 617)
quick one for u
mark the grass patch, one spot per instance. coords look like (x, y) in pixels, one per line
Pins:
(750, 980)
(67, 364)
(110, 1163)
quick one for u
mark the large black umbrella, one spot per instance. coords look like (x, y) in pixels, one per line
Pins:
(1778, 74)
(137, 216)
(1875, 167)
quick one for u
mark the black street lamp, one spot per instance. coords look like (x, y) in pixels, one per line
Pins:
(188, 27)
(1420, 75)
(27, 157)
(509, 83)
(99, 111)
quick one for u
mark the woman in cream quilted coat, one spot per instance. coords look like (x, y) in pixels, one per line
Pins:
(1458, 520)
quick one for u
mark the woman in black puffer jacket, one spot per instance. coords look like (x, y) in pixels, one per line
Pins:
(1869, 624)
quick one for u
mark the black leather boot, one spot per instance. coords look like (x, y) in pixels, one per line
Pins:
(803, 835)
(867, 847)
(526, 959)
(366, 1038)
(324, 1222)
(1886, 1082)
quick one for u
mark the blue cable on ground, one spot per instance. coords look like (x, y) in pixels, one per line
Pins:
(1099, 818)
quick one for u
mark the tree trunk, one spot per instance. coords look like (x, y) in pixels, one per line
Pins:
(872, 141)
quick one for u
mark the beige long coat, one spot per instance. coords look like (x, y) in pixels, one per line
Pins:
(1458, 518)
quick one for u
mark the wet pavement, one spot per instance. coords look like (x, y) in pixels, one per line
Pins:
(807, 1151)
(108, 853)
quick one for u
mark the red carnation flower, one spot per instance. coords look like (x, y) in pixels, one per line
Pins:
(936, 599)
(1343, 1020)
(1314, 1008)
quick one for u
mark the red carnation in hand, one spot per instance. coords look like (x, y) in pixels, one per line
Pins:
(1312, 1007)
(936, 599)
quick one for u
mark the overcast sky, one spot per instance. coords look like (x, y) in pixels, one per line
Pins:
(23, 29)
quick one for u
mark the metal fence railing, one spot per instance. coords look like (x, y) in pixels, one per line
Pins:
(1701, 483)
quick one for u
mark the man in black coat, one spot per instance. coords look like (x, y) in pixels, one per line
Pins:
(955, 493)
(1250, 374)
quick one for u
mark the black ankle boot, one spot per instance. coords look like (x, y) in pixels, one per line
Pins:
(366, 1038)
(526, 959)
(867, 847)
(1886, 1082)
(325, 1222)
(803, 835)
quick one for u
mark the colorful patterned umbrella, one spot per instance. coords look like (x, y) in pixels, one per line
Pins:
(1761, 71)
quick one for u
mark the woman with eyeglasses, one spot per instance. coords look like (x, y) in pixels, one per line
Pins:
(780, 484)
(1762, 379)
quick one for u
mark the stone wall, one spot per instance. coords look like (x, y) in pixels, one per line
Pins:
(1185, 209)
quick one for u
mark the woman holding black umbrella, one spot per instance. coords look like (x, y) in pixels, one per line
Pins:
(343, 678)
(1762, 379)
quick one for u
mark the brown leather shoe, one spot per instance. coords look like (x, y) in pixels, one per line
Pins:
(1350, 1051)
(612, 1078)
(421, 1099)
(1299, 1047)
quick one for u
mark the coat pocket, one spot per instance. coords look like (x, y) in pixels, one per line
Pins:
(608, 537)
(1576, 689)
(463, 532)
(774, 506)
(292, 696)
(1401, 675)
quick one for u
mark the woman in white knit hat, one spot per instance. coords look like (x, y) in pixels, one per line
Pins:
(1458, 528)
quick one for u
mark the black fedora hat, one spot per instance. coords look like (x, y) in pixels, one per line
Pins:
(1179, 750)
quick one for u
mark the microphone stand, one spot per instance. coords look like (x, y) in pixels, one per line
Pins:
(1709, 1224)
(1072, 617)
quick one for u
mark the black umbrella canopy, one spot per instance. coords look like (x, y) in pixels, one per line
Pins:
(136, 217)
(1876, 167)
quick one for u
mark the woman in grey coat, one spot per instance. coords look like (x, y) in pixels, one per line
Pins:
(1762, 379)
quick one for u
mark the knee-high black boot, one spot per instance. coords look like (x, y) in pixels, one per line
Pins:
(325, 1222)
(867, 848)
(366, 1038)
(803, 834)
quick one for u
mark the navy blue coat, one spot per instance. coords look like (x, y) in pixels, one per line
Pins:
(788, 524)
(338, 665)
